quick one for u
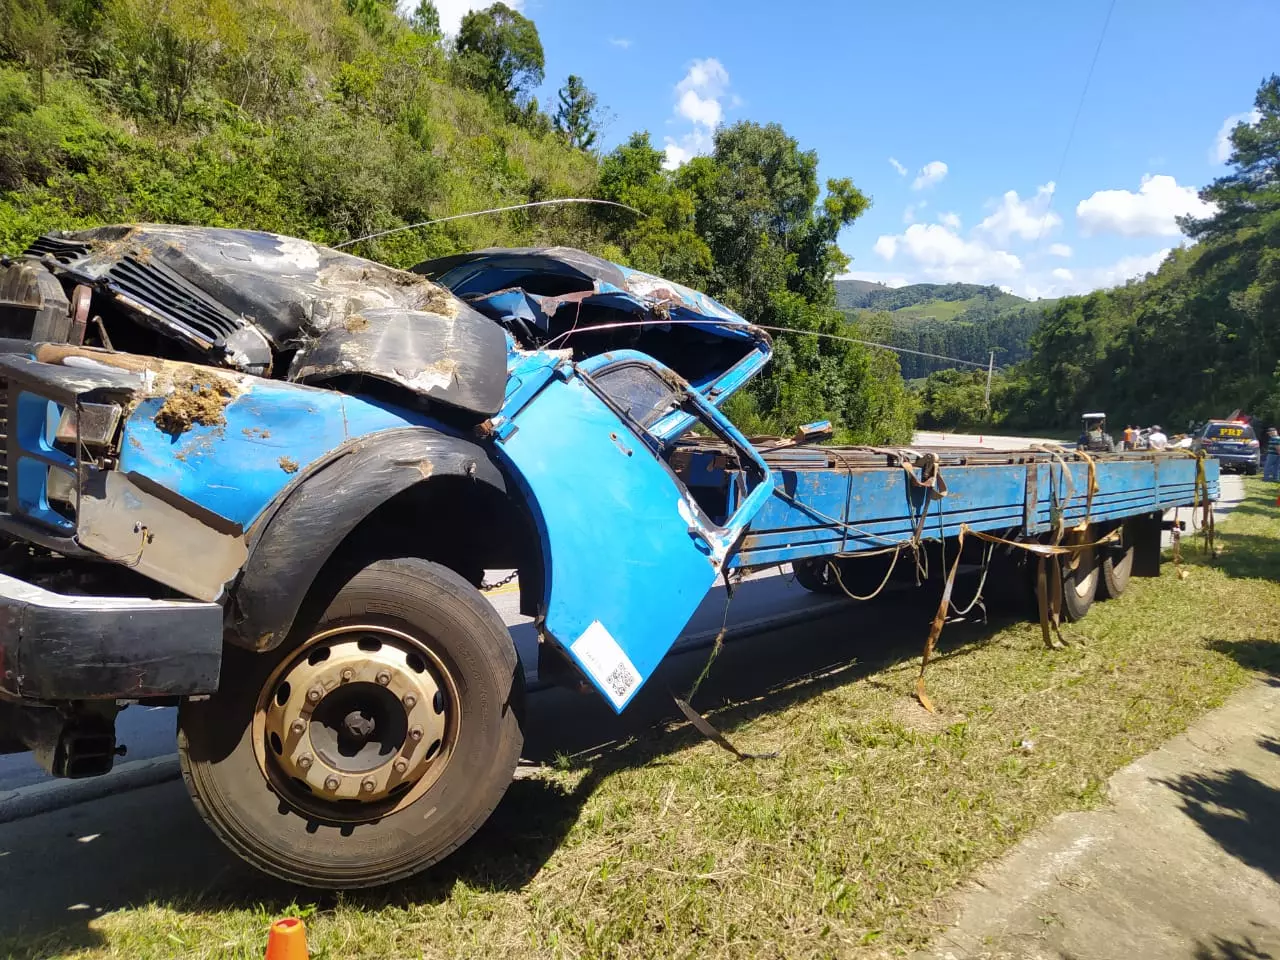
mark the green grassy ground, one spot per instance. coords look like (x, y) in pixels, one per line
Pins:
(844, 846)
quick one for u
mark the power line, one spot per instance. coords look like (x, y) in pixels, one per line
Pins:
(1071, 134)
(759, 326)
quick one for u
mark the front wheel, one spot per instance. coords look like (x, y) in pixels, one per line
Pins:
(372, 747)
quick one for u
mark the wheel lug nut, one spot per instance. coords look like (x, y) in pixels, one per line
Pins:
(383, 677)
(314, 694)
(400, 766)
(415, 734)
(347, 674)
(368, 786)
(410, 701)
(332, 783)
(304, 762)
(298, 727)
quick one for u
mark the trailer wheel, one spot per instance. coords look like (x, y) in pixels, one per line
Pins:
(1080, 575)
(1116, 566)
(816, 575)
(371, 748)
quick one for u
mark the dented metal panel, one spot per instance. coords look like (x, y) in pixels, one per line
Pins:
(180, 548)
(268, 304)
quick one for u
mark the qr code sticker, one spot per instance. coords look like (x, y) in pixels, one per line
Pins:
(621, 681)
(607, 663)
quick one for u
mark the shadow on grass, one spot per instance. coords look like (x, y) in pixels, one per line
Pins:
(1260, 655)
(176, 863)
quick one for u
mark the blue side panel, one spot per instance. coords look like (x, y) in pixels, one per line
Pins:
(624, 573)
(820, 511)
(273, 431)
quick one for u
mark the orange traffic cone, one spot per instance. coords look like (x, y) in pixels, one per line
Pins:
(287, 940)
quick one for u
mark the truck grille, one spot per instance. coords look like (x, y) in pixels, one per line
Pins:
(64, 251)
(173, 300)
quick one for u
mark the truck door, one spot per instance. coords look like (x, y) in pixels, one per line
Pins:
(629, 555)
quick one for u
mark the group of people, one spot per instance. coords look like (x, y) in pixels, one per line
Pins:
(1136, 438)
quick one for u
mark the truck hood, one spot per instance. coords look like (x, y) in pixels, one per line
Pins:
(269, 305)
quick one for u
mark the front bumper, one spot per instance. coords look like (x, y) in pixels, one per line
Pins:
(1237, 460)
(59, 647)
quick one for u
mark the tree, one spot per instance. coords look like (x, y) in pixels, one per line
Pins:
(426, 19)
(1253, 188)
(664, 240)
(501, 52)
(577, 117)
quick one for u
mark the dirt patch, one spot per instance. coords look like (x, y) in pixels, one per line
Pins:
(196, 399)
(355, 323)
(288, 464)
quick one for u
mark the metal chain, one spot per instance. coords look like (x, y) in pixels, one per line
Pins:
(501, 583)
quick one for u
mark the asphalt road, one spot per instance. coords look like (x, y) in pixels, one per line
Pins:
(767, 599)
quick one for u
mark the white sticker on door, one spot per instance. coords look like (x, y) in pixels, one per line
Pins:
(608, 665)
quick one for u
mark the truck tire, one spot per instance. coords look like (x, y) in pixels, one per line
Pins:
(1080, 575)
(816, 575)
(1116, 566)
(860, 576)
(370, 747)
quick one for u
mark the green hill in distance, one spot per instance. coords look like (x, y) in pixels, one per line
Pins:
(962, 320)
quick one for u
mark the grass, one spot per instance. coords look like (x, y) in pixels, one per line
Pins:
(847, 844)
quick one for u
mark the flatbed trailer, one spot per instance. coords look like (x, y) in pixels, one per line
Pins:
(263, 480)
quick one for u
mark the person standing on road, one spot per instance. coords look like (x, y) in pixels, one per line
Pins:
(1271, 465)
(1130, 437)
(1156, 439)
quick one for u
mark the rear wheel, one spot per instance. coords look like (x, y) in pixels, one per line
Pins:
(373, 746)
(816, 576)
(1116, 565)
(1080, 575)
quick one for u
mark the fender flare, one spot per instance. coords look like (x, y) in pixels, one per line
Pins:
(298, 535)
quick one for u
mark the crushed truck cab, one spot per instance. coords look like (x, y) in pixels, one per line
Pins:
(263, 480)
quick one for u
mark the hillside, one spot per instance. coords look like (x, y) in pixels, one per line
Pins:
(334, 119)
(940, 301)
(962, 320)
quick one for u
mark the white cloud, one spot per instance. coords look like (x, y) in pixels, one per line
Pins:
(1220, 152)
(1060, 282)
(698, 101)
(932, 172)
(942, 254)
(950, 220)
(1029, 219)
(1060, 250)
(694, 143)
(1151, 212)
(893, 162)
(452, 11)
(699, 110)
(622, 42)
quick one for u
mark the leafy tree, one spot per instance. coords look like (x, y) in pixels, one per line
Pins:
(577, 117)
(426, 19)
(501, 52)
(664, 241)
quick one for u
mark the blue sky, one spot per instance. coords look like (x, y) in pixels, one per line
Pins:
(952, 117)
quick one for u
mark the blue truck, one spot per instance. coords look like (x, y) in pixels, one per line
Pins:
(262, 480)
